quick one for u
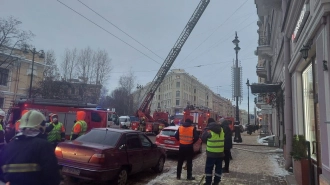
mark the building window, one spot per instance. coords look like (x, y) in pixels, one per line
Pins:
(1, 102)
(177, 84)
(194, 98)
(194, 90)
(309, 113)
(177, 102)
(158, 97)
(177, 93)
(4, 76)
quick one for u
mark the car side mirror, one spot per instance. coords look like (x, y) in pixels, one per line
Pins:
(123, 146)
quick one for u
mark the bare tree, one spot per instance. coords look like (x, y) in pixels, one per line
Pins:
(126, 82)
(103, 67)
(68, 64)
(51, 71)
(11, 37)
(84, 63)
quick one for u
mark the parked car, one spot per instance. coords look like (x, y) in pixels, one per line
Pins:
(166, 140)
(105, 154)
(125, 122)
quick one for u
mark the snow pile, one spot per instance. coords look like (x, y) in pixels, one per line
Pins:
(264, 140)
(278, 169)
(164, 177)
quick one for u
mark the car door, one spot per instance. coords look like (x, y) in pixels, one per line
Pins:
(150, 153)
(134, 152)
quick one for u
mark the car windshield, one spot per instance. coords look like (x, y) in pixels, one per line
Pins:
(122, 119)
(168, 132)
(102, 137)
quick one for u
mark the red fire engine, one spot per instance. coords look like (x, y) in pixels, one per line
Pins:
(198, 116)
(152, 123)
(66, 111)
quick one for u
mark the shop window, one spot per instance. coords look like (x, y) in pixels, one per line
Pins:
(4, 76)
(308, 101)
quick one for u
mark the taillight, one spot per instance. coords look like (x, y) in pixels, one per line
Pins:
(97, 159)
(58, 152)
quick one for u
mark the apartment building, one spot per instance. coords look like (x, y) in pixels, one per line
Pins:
(179, 89)
(293, 51)
(15, 75)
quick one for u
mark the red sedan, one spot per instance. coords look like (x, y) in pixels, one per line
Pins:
(109, 154)
(166, 139)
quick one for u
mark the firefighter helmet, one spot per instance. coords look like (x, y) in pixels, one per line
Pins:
(33, 119)
(2, 113)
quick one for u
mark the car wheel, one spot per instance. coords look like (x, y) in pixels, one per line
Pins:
(122, 177)
(160, 165)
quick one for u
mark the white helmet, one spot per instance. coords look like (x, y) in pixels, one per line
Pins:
(33, 119)
(2, 113)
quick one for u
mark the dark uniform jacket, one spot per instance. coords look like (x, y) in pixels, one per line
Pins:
(195, 135)
(228, 135)
(29, 161)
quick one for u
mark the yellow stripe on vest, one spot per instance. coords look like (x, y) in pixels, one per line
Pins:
(16, 168)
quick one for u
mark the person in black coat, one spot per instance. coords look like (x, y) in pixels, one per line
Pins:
(228, 144)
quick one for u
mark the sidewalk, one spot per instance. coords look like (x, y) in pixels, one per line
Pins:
(247, 167)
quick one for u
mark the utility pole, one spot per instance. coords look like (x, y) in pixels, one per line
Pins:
(248, 85)
(41, 55)
(237, 90)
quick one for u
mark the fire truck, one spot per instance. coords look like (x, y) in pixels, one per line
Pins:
(66, 111)
(198, 116)
(153, 124)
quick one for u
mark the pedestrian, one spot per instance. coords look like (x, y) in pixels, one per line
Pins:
(57, 131)
(228, 144)
(214, 136)
(28, 159)
(187, 135)
(80, 127)
(172, 123)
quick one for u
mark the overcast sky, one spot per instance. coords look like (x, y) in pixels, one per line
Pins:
(156, 24)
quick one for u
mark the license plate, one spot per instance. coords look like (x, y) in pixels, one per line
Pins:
(169, 142)
(70, 170)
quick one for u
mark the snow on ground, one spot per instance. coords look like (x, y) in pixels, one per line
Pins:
(277, 163)
(264, 140)
(162, 177)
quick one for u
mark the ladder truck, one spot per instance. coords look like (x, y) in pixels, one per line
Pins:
(152, 124)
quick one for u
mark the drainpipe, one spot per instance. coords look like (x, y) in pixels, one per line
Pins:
(288, 105)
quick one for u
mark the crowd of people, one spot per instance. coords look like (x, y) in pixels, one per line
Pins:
(28, 157)
(218, 139)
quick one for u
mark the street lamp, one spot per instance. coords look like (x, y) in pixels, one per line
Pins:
(237, 137)
(248, 125)
(41, 55)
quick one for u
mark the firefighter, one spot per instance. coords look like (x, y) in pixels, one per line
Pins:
(214, 137)
(187, 136)
(142, 124)
(29, 160)
(228, 144)
(2, 132)
(80, 126)
(56, 132)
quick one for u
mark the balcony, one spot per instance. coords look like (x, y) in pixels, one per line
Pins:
(264, 7)
(261, 71)
(264, 50)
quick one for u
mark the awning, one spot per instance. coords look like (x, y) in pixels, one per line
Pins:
(264, 88)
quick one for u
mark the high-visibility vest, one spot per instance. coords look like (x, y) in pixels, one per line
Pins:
(20, 168)
(1, 129)
(18, 122)
(55, 134)
(186, 135)
(216, 142)
(83, 126)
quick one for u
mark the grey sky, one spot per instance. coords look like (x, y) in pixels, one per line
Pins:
(155, 23)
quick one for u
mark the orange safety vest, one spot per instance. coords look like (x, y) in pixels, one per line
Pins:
(18, 122)
(186, 135)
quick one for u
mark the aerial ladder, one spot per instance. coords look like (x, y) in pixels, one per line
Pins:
(144, 111)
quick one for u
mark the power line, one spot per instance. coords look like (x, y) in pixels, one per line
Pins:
(120, 29)
(215, 30)
(107, 31)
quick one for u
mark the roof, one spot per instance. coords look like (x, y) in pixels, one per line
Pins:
(117, 130)
(172, 128)
(265, 88)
